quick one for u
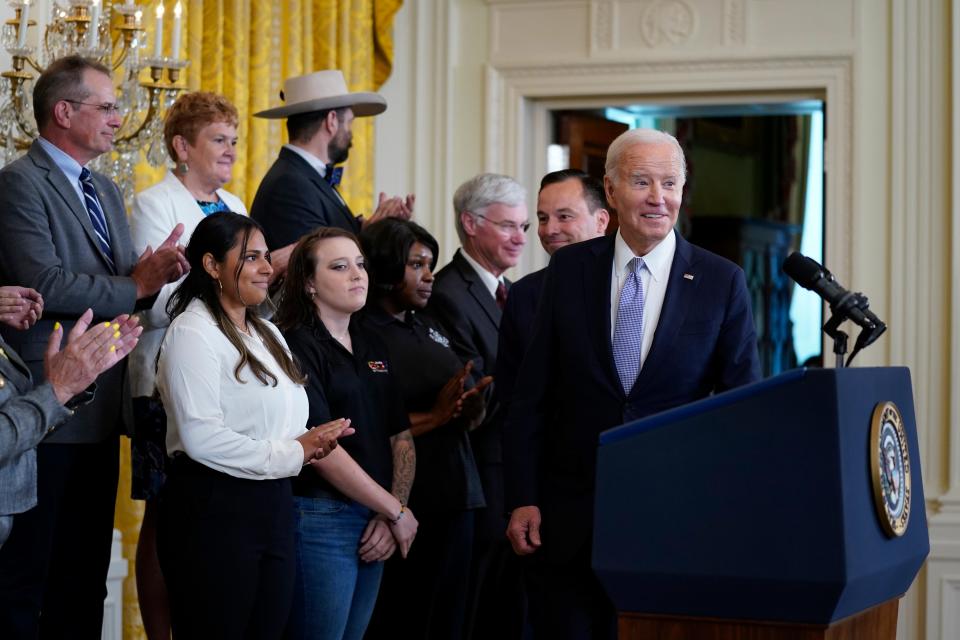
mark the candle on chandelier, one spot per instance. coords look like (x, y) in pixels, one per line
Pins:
(175, 45)
(95, 24)
(137, 17)
(158, 35)
(22, 32)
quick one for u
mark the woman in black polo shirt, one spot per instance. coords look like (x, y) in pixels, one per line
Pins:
(428, 590)
(346, 522)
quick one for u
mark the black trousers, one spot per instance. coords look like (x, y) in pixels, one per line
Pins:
(425, 595)
(53, 569)
(496, 605)
(567, 602)
(226, 549)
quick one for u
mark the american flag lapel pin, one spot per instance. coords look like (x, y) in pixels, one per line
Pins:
(688, 276)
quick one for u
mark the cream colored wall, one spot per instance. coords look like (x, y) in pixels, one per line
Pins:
(477, 78)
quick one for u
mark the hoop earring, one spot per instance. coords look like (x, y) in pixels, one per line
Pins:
(220, 284)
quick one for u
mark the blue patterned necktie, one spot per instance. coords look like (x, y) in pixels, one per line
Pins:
(628, 332)
(97, 219)
(333, 175)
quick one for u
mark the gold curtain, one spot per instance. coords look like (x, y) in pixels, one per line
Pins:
(244, 49)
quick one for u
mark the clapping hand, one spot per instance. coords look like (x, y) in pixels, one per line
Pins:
(89, 352)
(454, 400)
(473, 406)
(156, 268)
(395, 207)
(319, 441)
(20, 307)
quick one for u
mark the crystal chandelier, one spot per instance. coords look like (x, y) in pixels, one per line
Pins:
(83, 27)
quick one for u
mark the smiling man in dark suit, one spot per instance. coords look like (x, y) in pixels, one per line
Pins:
(66, 236)
(299, 192)
(628, 325)
(468, 297)
(571, 207)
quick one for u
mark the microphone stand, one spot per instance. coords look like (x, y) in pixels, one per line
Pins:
(841, 311)
(832, 329)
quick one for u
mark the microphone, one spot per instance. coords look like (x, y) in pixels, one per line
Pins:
(812, 275)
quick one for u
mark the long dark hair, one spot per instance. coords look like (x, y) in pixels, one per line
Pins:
(296, 307)
(217, 234)
(386, 245)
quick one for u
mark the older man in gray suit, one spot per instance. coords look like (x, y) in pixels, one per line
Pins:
(66, 235)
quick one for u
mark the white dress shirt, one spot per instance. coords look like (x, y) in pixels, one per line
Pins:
(654, 276)
(490, 281)
(245, 430)
(156, 211)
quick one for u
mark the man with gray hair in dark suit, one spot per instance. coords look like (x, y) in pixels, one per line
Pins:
(468, 298)
(66, 236)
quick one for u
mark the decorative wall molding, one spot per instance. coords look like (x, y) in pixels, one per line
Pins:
(668, 22)
(113, 603)
(603, 17)
(514, 93)
(952, 499)
(572, 30)
(734, 23)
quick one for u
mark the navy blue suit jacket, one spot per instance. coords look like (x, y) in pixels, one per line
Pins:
(568, 390)
(293, 200)
(516, 330)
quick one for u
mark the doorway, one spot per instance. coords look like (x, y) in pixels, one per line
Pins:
(754, 193)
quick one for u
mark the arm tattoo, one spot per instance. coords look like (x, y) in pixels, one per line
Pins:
(404, 464)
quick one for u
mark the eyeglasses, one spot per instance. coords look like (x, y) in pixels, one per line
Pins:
(508, 228)
(107, 109)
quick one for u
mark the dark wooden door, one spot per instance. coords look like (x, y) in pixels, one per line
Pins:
(588, 137)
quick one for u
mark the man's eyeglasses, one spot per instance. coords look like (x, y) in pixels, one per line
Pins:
(508, 228)
(107, 109)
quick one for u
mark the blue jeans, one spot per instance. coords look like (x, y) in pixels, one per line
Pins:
(335, 590)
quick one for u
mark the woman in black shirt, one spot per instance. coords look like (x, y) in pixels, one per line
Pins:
(428, 590)
(347, 523)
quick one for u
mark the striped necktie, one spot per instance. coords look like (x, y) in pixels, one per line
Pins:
(97, 219)
(628, 332)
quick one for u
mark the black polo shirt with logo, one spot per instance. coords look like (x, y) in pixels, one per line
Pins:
(422, 361)
(361, 386)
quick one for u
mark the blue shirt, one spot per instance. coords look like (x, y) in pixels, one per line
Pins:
(70, 167)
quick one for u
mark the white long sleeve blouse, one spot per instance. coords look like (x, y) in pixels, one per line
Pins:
(246, 430)
(156, 211)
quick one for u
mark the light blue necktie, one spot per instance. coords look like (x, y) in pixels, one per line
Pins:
(97, 218)
(628, 331)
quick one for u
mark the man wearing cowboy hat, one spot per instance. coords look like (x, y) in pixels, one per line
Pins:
(299, 191)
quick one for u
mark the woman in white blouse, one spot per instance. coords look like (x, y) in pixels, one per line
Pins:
(235, 413)
(200, 133)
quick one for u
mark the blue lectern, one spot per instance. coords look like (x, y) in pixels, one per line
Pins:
(792, 503)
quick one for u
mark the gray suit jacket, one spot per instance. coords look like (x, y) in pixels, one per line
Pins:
(27, 414)
(48, 244)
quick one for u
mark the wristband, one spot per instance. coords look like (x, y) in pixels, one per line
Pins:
(403, 510)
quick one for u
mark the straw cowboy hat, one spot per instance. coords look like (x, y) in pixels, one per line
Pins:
(322, 90)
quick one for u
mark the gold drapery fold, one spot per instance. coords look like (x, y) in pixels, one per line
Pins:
(244, 49)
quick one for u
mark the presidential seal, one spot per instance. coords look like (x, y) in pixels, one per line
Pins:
(890, 468)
